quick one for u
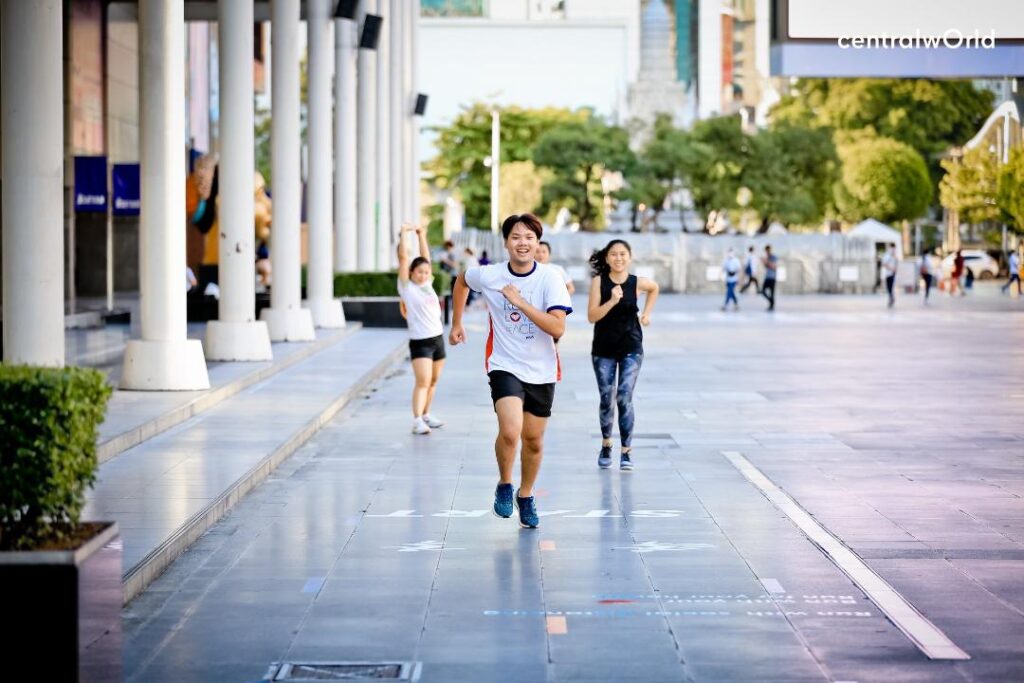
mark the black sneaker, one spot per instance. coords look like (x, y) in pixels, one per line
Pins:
(604, 458)
(528, 517)
(503, 501)
(625, 463)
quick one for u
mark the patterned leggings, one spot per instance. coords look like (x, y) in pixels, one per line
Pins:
(622, 394)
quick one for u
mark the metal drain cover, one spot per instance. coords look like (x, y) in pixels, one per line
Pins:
(345, 671)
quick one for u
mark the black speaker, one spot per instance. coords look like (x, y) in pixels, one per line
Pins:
(421, 105)
(371, 32)
(346, 9)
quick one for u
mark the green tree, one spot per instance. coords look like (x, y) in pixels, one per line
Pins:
(577, 153)
(520, 188)
(713, 156)
(882, 179)
(970, 184)
(929, 115)
(463, 145)
(1010, 192)
(791, 173)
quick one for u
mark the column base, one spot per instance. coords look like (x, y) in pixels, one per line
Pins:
(289, 324)
(327, 313)
(164, 366)
(240, 341)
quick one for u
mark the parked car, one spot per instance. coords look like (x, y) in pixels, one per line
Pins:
(984, 266)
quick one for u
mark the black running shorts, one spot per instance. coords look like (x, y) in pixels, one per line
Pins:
(432, 348)
(537, 398)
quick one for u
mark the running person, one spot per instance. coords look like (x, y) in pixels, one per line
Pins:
(527, 303)
(422, 310)
(544, 256)
(618, 342)
(750, 271)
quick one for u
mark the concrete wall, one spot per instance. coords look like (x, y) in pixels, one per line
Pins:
(691, 263)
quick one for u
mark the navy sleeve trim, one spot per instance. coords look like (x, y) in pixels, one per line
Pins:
(567, 309)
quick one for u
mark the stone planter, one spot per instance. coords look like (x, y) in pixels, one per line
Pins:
(62, 611)
(373, 311)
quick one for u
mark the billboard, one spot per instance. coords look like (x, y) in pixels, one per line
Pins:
(898, 38)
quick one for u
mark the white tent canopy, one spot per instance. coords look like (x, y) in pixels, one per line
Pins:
(877, 231)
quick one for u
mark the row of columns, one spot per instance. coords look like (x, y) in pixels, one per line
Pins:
(372, 140)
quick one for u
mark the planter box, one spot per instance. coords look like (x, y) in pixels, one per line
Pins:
(373, 311)
(62, 611)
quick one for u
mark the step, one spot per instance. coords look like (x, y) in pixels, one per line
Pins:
(166, 492)
(134, 416)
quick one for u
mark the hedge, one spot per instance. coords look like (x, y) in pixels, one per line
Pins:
(49, 419)
(382, 284)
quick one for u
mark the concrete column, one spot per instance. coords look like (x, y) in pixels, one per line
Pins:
(414, 129)
(411, 12)
(33, 172)
(326, 310)
(709, 58)
(345, 244)
(399, 21)
(236, 335)
(164, 358)
(384, 232)
(366, 149)
(287, 320)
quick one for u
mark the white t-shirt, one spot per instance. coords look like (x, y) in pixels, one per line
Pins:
(751, 264)
(731, 268)
(422, 309)
(515, 344)
(889, 263)
(1014, 263)
(561, 272)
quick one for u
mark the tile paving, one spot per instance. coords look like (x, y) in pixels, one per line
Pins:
(901, 433)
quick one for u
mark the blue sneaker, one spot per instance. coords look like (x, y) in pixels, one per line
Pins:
(604, 458)
(626, 463)
(528, 518)
(503, 501)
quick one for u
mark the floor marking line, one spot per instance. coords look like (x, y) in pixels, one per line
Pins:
(547, 545)
(773, 586)
(557, 626)
(923, 633)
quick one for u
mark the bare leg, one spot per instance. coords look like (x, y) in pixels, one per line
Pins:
(510, 425)
(533, 452)
(421, 389)
(434, 378)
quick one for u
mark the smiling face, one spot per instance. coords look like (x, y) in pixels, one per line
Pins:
(420, 275)
(522, 246)
(618, 258)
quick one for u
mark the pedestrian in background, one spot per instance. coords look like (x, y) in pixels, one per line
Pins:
(890, 264)
(927, 271)
(771, 265)
(731, 269)
(750, 270)
(1014, 275)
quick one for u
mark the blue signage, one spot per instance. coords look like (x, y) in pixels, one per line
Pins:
(126, 190)
(91, 184)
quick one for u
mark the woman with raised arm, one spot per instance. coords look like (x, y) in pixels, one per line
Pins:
(422, 310)
(618, 342)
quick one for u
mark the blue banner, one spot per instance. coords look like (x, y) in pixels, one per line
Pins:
(90, 184)
(126, 190)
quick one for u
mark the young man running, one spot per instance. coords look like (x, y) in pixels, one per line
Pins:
(527, 303)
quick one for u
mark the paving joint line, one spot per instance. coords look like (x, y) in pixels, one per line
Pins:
(926, 636)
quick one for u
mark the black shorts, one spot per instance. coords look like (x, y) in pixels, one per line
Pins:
(432, 348)
(537, 398)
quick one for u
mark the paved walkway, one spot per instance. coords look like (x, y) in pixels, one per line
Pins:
(900, 433)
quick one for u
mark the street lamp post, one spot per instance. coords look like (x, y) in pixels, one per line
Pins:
(495, 166)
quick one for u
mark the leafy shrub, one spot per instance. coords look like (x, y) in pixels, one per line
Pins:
(48, 427)
(382, 284)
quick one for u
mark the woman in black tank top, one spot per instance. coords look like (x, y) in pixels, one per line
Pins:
(618, 342)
